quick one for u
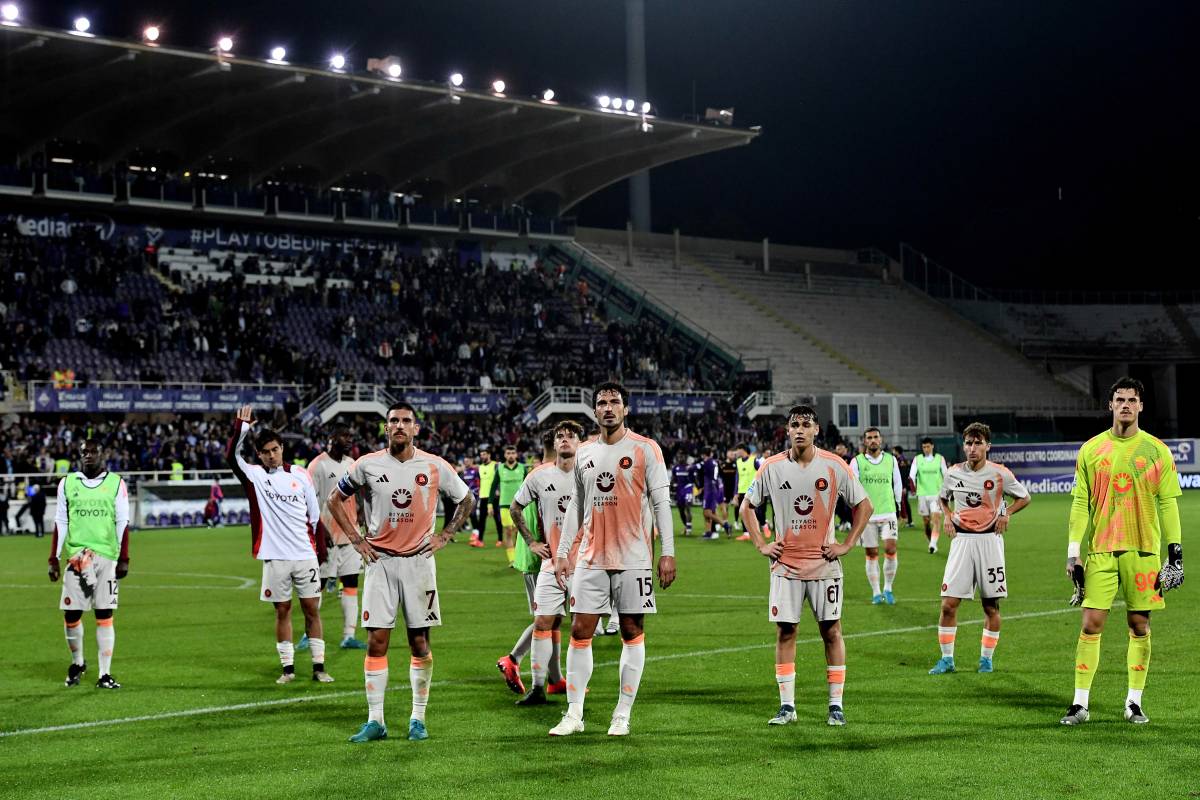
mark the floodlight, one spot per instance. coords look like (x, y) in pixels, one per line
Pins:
(498, 86)
(456, 79)
(394, 70)
(9, 13)
(548, 95)
(602, 100)
(646, 107)
(224, 44)
(278, 53)
(629, 104)
(337, 61)
(151, 33)
(82, 24)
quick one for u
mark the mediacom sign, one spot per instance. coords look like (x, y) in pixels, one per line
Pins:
(1049, 467)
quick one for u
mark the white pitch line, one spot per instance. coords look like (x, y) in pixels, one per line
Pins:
(193, 712)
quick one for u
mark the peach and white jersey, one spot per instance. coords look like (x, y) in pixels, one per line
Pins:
(978, 495)
(804, 499)
(325, 474)
(401, 497)
(552, 489)
(613, 484)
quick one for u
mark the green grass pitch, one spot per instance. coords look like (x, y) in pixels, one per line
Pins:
(200, 715)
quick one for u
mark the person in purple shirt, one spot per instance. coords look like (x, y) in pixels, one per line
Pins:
(682, 484)
(714, 493)
(470, 476)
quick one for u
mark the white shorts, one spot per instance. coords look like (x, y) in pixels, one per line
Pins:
(602, 591)
(549, 599)
(279, 576)
(393, 581)
(93, 586)
(976, 560)
(929, 505)
(788, 596)
(876, 531)
(531, 579)
(343, 559)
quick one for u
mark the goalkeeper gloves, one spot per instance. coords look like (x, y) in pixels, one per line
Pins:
(1171, 575)
(1075, 569)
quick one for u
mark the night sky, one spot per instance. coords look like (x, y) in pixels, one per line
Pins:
(949, 125)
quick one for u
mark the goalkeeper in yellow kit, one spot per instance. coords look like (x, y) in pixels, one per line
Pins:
(1125, 498)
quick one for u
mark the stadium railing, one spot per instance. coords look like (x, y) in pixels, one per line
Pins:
(34, 386)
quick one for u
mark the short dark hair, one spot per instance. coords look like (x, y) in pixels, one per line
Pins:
(548, 438)
(570, 425)
(804, 410)
(265, 437)
(898, 449)
(611, 386)
(340, 427)
(741, 446)
(978, 429)
(401, 405)
(508, 447)
(1127, 382)
(927, 440)
(872, 428)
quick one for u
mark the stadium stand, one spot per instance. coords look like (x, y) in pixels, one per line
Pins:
(841, 325)
(1085, 329)
(111, 313)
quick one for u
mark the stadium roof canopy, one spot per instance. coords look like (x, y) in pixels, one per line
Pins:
(198, 109)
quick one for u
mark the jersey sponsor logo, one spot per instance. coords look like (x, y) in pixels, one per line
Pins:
(822, 484)
(402, 498)
(989, 484)
(563, 501)
(1122, 482)
(282, 498)
(422, 479)
(974, 499)
(1140, 463)
(606, 482)
(382, 479)
(626, 462)
(803, 505)
(91, 512)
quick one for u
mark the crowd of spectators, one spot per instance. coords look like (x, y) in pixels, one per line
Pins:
(47, 445)
(109, 311)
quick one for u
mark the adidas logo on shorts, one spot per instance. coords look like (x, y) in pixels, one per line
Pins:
(432, 617)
